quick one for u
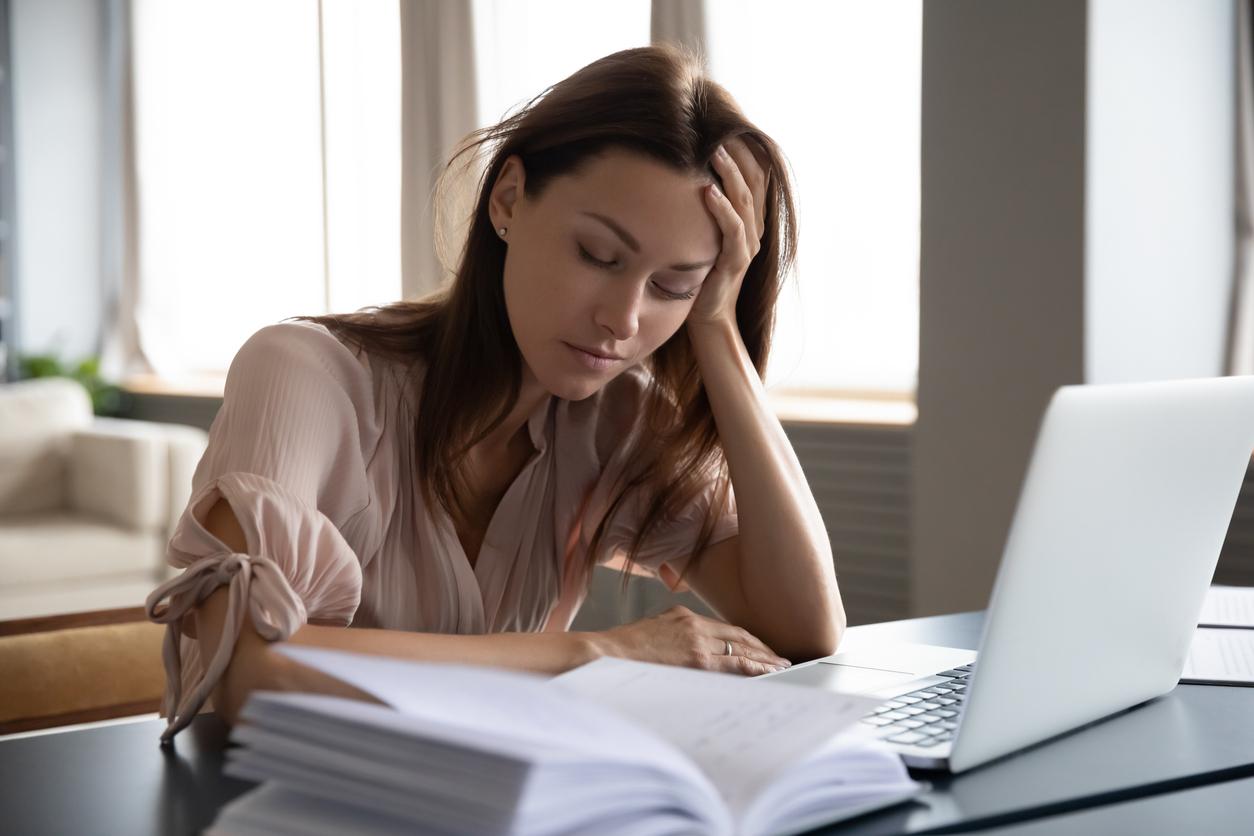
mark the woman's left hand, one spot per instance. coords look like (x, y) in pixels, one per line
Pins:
(739, 209)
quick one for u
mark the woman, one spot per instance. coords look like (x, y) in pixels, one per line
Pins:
(442, 475)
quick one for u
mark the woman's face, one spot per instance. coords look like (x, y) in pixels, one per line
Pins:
(603, 267)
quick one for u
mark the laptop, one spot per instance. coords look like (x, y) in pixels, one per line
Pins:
(1122, 513)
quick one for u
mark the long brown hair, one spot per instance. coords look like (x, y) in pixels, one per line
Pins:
(654, 101)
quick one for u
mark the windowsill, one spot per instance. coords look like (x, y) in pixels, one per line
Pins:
(191, 386)
(869, 409)
(853, 408)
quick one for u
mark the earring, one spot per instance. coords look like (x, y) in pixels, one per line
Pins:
(501, 232)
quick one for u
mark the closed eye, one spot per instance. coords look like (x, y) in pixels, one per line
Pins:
(609, 265)
(593, 260)
(670, 294)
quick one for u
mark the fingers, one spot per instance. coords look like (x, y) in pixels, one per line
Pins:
(747, 667)
(734, 256)
(707, 642)
(742, 639)
(748, 658)
(756, 177)
(744, 183)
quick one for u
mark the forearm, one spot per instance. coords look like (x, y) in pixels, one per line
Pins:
(255, 665)
(544, 653)
(786, 569)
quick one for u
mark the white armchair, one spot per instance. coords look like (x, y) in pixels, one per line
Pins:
(86, 504)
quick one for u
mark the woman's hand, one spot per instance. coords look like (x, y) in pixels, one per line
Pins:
(739, 208)
(681, 637)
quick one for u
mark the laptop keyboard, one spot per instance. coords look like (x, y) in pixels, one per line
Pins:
(926, 717)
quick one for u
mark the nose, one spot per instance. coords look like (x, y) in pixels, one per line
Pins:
(618, 309)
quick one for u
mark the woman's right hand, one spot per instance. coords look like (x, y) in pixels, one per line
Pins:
(681, 637)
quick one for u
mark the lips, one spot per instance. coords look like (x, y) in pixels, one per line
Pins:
(593, 360)
(596, 352)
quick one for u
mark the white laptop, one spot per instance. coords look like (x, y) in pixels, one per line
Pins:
(1123, 510)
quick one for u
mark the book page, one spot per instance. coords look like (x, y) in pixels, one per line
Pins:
(741, 732)
(1220, 656)
(1228, 606)
(495, 704)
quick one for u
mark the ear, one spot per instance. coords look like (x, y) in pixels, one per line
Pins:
(507, 192)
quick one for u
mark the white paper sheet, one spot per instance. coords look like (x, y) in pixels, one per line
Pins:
(486, 701)
(1228, 606)
(741, 732)
(1220, 656)
(522, 708)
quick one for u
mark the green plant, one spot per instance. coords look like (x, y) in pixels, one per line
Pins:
(106, 399)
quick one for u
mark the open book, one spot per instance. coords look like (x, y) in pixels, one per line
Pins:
(613, 747)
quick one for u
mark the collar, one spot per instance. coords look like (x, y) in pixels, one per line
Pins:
(537, 423)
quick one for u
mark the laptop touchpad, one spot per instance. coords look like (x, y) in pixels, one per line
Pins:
(847, 678)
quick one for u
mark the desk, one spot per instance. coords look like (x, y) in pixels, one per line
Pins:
(115, 779)
(1213, 810)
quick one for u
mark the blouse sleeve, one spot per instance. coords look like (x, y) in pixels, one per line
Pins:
(287, 453)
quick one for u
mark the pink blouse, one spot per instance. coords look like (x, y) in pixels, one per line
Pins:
(313, 449)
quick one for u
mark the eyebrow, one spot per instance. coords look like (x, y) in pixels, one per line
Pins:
(634, 245)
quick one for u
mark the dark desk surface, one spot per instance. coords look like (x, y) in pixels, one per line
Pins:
(1213, 810)
(1195, 735)
(116, 779)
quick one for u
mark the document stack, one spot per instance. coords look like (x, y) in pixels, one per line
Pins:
(613, 747)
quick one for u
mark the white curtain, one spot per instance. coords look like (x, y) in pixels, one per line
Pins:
(255, 188)
(121, 354)
(1240, 358)
(679, 21)
(438, 110)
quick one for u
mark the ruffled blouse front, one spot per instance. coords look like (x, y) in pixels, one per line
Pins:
(313, 449)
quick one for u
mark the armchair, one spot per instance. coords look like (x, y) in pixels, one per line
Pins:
(86, 504)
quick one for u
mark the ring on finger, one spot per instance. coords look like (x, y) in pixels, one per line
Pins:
(727, 648)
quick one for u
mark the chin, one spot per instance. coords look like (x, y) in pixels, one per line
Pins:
(565, 380)
(569, 389)
(563, 384)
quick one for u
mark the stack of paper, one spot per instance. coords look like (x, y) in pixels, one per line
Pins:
(1223, 646)
(1228, 606)
(615, 747)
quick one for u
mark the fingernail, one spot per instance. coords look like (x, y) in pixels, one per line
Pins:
(722, 152)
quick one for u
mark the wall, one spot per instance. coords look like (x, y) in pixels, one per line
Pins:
(1001, 272)
(1076, 227)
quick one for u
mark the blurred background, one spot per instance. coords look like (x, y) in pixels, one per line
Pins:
(997, 197)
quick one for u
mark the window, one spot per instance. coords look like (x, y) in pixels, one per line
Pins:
(837, 84)
(523, 46)
(362, 82)
(268, 154)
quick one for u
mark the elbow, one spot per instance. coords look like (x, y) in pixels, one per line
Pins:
(839, 623)
(836, 620)
(248, 671)
(830, 630)
(228, 712)
(825, 639)
(229, 697)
